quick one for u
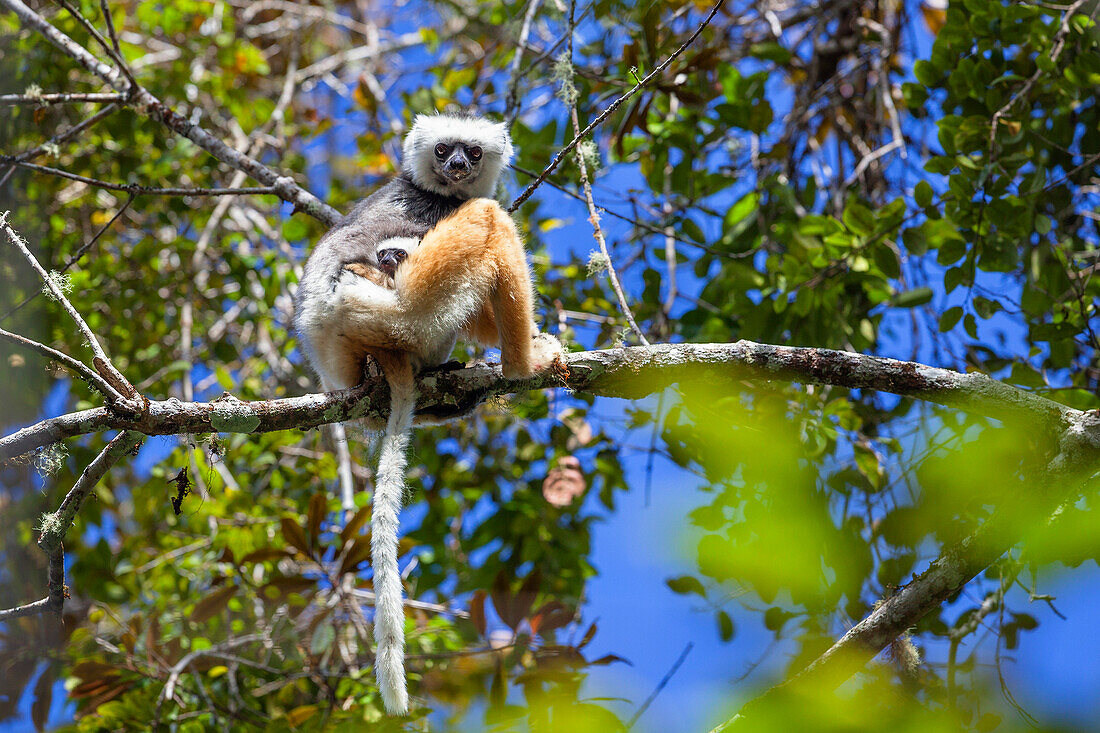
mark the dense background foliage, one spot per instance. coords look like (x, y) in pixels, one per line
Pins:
(820, 175)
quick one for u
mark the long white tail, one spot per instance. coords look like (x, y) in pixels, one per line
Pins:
(389, 614)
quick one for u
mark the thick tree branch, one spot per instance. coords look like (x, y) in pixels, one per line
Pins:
(628, 373)
(145, 103)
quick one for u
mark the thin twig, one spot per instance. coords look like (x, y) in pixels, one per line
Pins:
(252, 8)
(29, 609)
(96, 381)
(634, 222)
(369, 597)
(201, 273)
(111, 50)
(110, 27)
(367, 51)
(142, 190)
(59, 138)
(512, 110)
(100, 360)
(593, 215)
(1056, 51)
(76, 256)
(608, 112)
(661, 685)
(153, 108)
(670, 242)
(57, 98)
(169, 689)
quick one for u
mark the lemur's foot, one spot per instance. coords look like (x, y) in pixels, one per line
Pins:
(361, 269)
(545, 351)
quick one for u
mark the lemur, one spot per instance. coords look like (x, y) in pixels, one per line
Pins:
(371, 288)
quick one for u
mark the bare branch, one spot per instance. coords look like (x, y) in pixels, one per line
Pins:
(252, 8)
(76, 256)
(75, 98)
(110, 27)
(57, 139)
(138, 189)
(112, 51)
(512, 110)
(98, 382)
(661, 685)
(30, 609)
(370, 50)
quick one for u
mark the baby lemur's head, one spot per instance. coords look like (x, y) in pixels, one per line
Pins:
(456, 154)
(392, 252)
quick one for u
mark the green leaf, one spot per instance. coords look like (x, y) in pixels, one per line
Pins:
(725, 626)
(915, 242)
(912, 298)
(923, 194)
(686, 584)
(970, 325)
(770, 51)
(926, 73)
(744, 207)
(951, 250)
(952, 278)
(950, 318)
(858, 218)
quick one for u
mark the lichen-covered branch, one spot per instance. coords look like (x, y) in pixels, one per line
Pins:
(54, 526)
(628, 373)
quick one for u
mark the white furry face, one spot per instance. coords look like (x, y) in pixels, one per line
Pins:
(393, 252)
(404, 244)
(484, 145)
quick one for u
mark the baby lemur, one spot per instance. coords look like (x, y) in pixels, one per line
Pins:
(370, 288)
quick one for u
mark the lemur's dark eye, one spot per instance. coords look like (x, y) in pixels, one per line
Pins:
(440, 150)
(475, 153)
